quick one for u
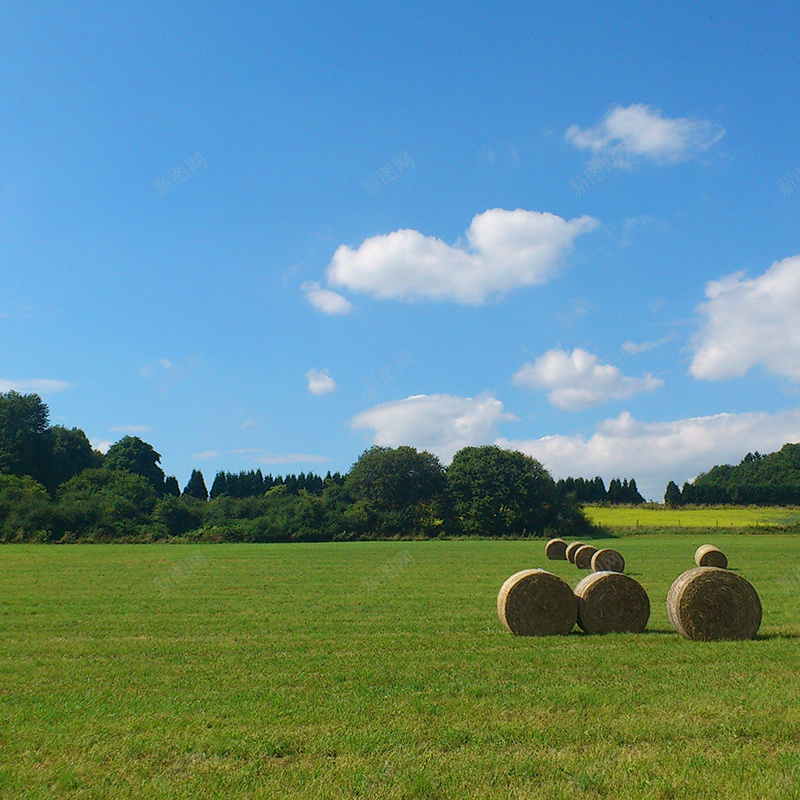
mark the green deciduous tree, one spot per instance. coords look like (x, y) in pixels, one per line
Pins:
(136, 456)
(70, 452)
(400, 491)
(25, 510)
(498, 492)
(23, 423)
(104, 504)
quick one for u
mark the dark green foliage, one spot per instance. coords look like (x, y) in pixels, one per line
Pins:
(399, 491)
(197, 486)
(219, 486)
(392, 479)
(23, 445)
(25, 513)
(672, 496)
(178, 516)
(762, 480)
(105, 504)
(70, 453)
(388, 492)
(582, 490)
(498, 492)
(132, 454)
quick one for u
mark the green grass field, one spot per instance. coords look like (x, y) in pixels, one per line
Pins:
(380, 670)
(631, 517)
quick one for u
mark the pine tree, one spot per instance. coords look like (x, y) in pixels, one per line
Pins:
(196, 486)
(220, 485)
(672, 496)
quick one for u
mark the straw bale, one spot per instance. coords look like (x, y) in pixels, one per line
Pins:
(572, 549)
(534, 602)
(710, 603)
(707, 555)
(583, 556)
(556, 550)
(608, 560)
(612, 602)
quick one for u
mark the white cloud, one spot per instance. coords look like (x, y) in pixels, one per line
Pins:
(131, 429)
(751, 321)
(319, 382)
(101, 444)
(37, 385)
(504, 250)
(325, 300)
(656, 452)
(639, 131)
(207, 454)
(439, 423)
(578, 380)
(633, 349)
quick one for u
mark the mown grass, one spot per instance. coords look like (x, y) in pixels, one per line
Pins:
(379, 670)
(631, 517)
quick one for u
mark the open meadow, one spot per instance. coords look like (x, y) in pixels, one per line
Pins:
(660, 517)
(380, 670)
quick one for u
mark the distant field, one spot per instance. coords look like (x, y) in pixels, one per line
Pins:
(379, 670)
(727, 517)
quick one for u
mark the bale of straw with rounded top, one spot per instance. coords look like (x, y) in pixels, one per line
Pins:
(556, 550)
(608, 560)
(710, 603)
(612, 602)
(583, 556)
(572, 549)
(707, 555)
(534, 602)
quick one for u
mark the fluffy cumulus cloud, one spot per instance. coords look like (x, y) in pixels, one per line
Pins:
(319, 382)
(325, 300)
(750, 321)
(504, 250)
(639, 131)
(656, 452)
(36, 385)
(439, 423)
(578, 380)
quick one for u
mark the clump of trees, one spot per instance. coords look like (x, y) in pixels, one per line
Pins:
(759, 480)
(55, 488)
(619, 492)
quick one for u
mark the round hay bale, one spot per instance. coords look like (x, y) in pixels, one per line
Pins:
(608, 560)
(572, 549)
(707, 555)
(534, 602)
(709, 603)
(611, 602)
(556, 550)
(583, 556)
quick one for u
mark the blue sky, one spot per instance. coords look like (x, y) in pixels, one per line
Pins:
(271, 235)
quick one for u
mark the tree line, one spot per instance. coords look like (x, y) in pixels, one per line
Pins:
(760, 480)
(55, 487)
(586, 491)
